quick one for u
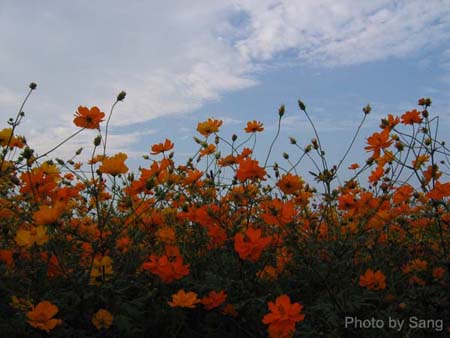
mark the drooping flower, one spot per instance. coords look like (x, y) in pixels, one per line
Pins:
(209, 127)
(102, 319)
(373, 280)
(114, 165)
(254, 126)
(282, 317)
(88, 118)
(184, 299)
(214, 299)
(41, 316)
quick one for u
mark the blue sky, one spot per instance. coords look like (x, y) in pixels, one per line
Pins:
(181, 62)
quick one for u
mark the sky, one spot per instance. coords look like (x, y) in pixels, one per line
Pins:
(181, 62)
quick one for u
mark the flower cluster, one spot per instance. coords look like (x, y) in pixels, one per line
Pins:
(224, 243)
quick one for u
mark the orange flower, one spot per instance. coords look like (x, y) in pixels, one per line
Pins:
(416, 265)
(373, 280)
(6, 256)
(214, 299)
(229, 310)
(166, 234)
(48, 215)
(167, 268)
(41, 316)
(390, 122)
(114, 165)
(439, 191)
(289, 183)
(411, 117)
(420, 161)
(249, 169)
(283, 317)
(253, 246)
(377, 142)
(209, 127)
(208, 150)
(88, 118)
(376, 174)
(254, 126)
(438, 272)
(353, 166)
(402, 194)
(184, 299)
(102, 319)
(162, 147)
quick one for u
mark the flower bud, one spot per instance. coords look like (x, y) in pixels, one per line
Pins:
(121, 96)
(286, 156)
(281, 110)
(301, 105)
(292, 140)
(234, 137)
(367, 109)
(33, 86)
(97, 140)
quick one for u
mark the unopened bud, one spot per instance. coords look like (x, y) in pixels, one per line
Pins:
(281, 110)
(286, 156)
(78, 152)
(97, 140)
(33, 86)
(399, 145)
(121, 96)
(301, 105)
(292, 140)
(367, 109)
(234, 137)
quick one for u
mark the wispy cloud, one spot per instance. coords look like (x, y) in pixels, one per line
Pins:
(174, 57)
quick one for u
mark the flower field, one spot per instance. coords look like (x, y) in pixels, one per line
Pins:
(226, 245)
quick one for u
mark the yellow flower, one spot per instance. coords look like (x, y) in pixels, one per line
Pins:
(5, 136)
(36, 235)
(114, 165)
(209, 127)
(102, 319)
(20, 304)
(101, 267)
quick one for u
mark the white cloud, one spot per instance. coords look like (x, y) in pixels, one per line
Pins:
(173, 57)
(342, 32)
